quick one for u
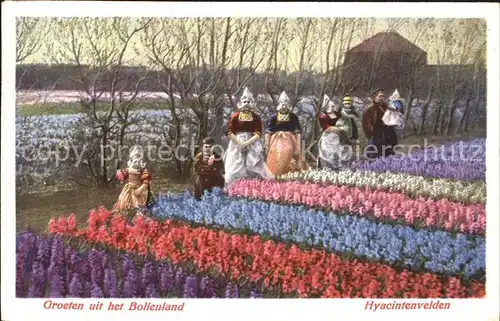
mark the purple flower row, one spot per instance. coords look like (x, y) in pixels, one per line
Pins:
(463, 160)
(47, 267)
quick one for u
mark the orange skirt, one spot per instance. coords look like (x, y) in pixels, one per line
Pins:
(281, 159)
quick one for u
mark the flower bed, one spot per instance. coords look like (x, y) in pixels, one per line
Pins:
(436, 251)
(463, 160)
(378, 205)
(410, 185)
(47, 267)
(308, 272)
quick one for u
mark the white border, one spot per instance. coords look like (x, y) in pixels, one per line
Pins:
(352, 309)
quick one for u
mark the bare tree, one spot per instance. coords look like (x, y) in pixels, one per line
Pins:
(250, 47)
(456, 47)
(203, 64)
(278, 55)
(166, 47)
(425, 108)
(347, 35)
(97, 48)
(476, 116)
(468, 43)
(416, 30)
(30, 35)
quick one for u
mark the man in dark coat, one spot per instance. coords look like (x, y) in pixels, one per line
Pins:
(381, 138)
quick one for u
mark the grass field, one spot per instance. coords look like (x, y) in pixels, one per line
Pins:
(35, 210)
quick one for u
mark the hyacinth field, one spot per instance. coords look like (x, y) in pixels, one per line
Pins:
(399, 227)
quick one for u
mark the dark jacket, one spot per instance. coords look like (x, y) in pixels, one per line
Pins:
(207, 176)
(372, 118)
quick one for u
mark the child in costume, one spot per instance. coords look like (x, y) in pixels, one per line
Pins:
(393, 116)
(283, 140)
(208, 169)
(244, 155)
(136, 193)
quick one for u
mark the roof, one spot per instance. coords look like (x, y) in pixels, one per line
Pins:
(386, 41)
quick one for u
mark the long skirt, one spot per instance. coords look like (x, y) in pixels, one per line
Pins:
(245, 163)
(132, 197)
(382, 143)
(334, 151)
(281, 159)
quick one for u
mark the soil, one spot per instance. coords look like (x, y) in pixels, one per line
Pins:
(35, 210)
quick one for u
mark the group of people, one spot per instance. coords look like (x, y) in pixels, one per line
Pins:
(277, 151)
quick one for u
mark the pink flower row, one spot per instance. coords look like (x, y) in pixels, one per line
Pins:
(444, 214)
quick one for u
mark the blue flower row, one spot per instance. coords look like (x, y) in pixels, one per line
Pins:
(435, 251)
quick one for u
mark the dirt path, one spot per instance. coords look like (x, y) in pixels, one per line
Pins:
(35, 211)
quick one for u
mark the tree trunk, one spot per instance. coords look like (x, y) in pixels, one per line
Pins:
(452, 108)
(465, 115)
(425, 108)
(443, 118)
(435, 130)
(410, 99)
(104, 163)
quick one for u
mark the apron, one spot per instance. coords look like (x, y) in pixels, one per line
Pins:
(332, 150)
(280, 158)
(247, 163)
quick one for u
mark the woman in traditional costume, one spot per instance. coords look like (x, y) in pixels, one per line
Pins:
(283, 140)
(136, 193)
(336, 136)
(244, 155)
(208, 169)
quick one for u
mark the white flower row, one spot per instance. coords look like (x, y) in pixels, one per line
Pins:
(413, 186)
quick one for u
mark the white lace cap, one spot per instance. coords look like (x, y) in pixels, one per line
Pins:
(395, 95)
(283, 99)
(328, 104)
(247, 95)
(136, 158)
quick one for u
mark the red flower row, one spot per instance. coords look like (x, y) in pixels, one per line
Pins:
(310, 273)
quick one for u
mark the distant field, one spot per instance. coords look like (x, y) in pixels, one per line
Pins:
(34, 103)
(69, 108)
